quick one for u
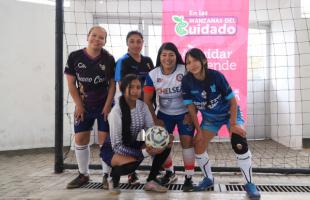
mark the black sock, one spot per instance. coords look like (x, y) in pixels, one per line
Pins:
(158, 161)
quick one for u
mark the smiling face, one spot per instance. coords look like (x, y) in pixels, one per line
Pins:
(96, 38)
(193, 65)
(168, 59)
(135, 44)
(133, 90)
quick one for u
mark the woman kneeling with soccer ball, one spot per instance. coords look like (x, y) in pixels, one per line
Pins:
(126, 121)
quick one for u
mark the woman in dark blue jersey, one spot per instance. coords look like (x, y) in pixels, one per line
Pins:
(90, 76)
(209, 92)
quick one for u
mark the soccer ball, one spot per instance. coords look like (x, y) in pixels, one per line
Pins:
(157, 137)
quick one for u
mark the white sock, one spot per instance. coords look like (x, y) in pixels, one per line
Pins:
(105, 168)
(204, 164)
(245, 164)
(189, 161)
(82, 154)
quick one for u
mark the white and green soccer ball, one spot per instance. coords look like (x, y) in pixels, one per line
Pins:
(157, 137)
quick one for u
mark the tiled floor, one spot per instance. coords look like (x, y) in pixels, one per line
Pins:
(29, 175)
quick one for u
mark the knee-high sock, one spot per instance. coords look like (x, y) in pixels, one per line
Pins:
(158, 161)
(106, 169)
(245, 164)
(118, 171)
(82, 154)
(168, 165)
(204, 164)
(189, 161)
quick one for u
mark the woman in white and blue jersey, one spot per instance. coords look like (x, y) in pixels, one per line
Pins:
(165, 80)
(209, 92)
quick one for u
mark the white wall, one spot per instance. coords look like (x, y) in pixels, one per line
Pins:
(289, 73)
(26, 75)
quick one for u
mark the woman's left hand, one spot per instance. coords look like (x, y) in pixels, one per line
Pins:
(154, 151)
(105, 112)
(237, 129)
(187, 119)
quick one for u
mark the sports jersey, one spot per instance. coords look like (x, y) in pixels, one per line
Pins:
(168, 89)
(141, 118)
(127, 65)
(92, 75)
(210, 97)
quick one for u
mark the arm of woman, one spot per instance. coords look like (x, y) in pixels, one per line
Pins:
(149, 91)
(79, 108)
(108, 104)
(234, 127)
(115, 123)
(193, 114)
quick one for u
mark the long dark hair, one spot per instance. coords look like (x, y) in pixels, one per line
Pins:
(169, 46)
(199, 55)
(126, 115)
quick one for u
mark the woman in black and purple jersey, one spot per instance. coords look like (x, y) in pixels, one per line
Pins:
(90, 75)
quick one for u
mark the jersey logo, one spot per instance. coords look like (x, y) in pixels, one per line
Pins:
(204, 94)
(159, 80)
(179, 77)
(213, 88)
(134, 67)
(102, 67)
(81, 65)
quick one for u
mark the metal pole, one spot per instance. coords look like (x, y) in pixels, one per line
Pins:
(59, 163)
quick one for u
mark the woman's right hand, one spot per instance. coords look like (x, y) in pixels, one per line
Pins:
(159, 122)
(153, 151)
(79, 113)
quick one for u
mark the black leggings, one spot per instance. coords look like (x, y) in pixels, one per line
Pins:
(158, 161)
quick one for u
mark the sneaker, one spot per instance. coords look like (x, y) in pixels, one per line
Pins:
(168, 178)
(78, 181)
(188, 185)
(105, 183)
(133, 179)
(205, 184)
(252, 191)
(114, 188)
(154, 186)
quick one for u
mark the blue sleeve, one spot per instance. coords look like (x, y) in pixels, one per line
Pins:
(148, 80)
(118, 70)
(224, 87)
(186, 91)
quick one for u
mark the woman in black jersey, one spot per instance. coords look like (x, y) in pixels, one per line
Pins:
(90, 76)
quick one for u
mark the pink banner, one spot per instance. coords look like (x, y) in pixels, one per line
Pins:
(220, 29)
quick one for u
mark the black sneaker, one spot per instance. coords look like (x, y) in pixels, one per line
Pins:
(168, 178)
(78, 181)
(188, 185)
(105, 183)
(133, 179)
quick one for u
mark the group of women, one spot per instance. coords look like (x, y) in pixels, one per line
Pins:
(182, 89)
